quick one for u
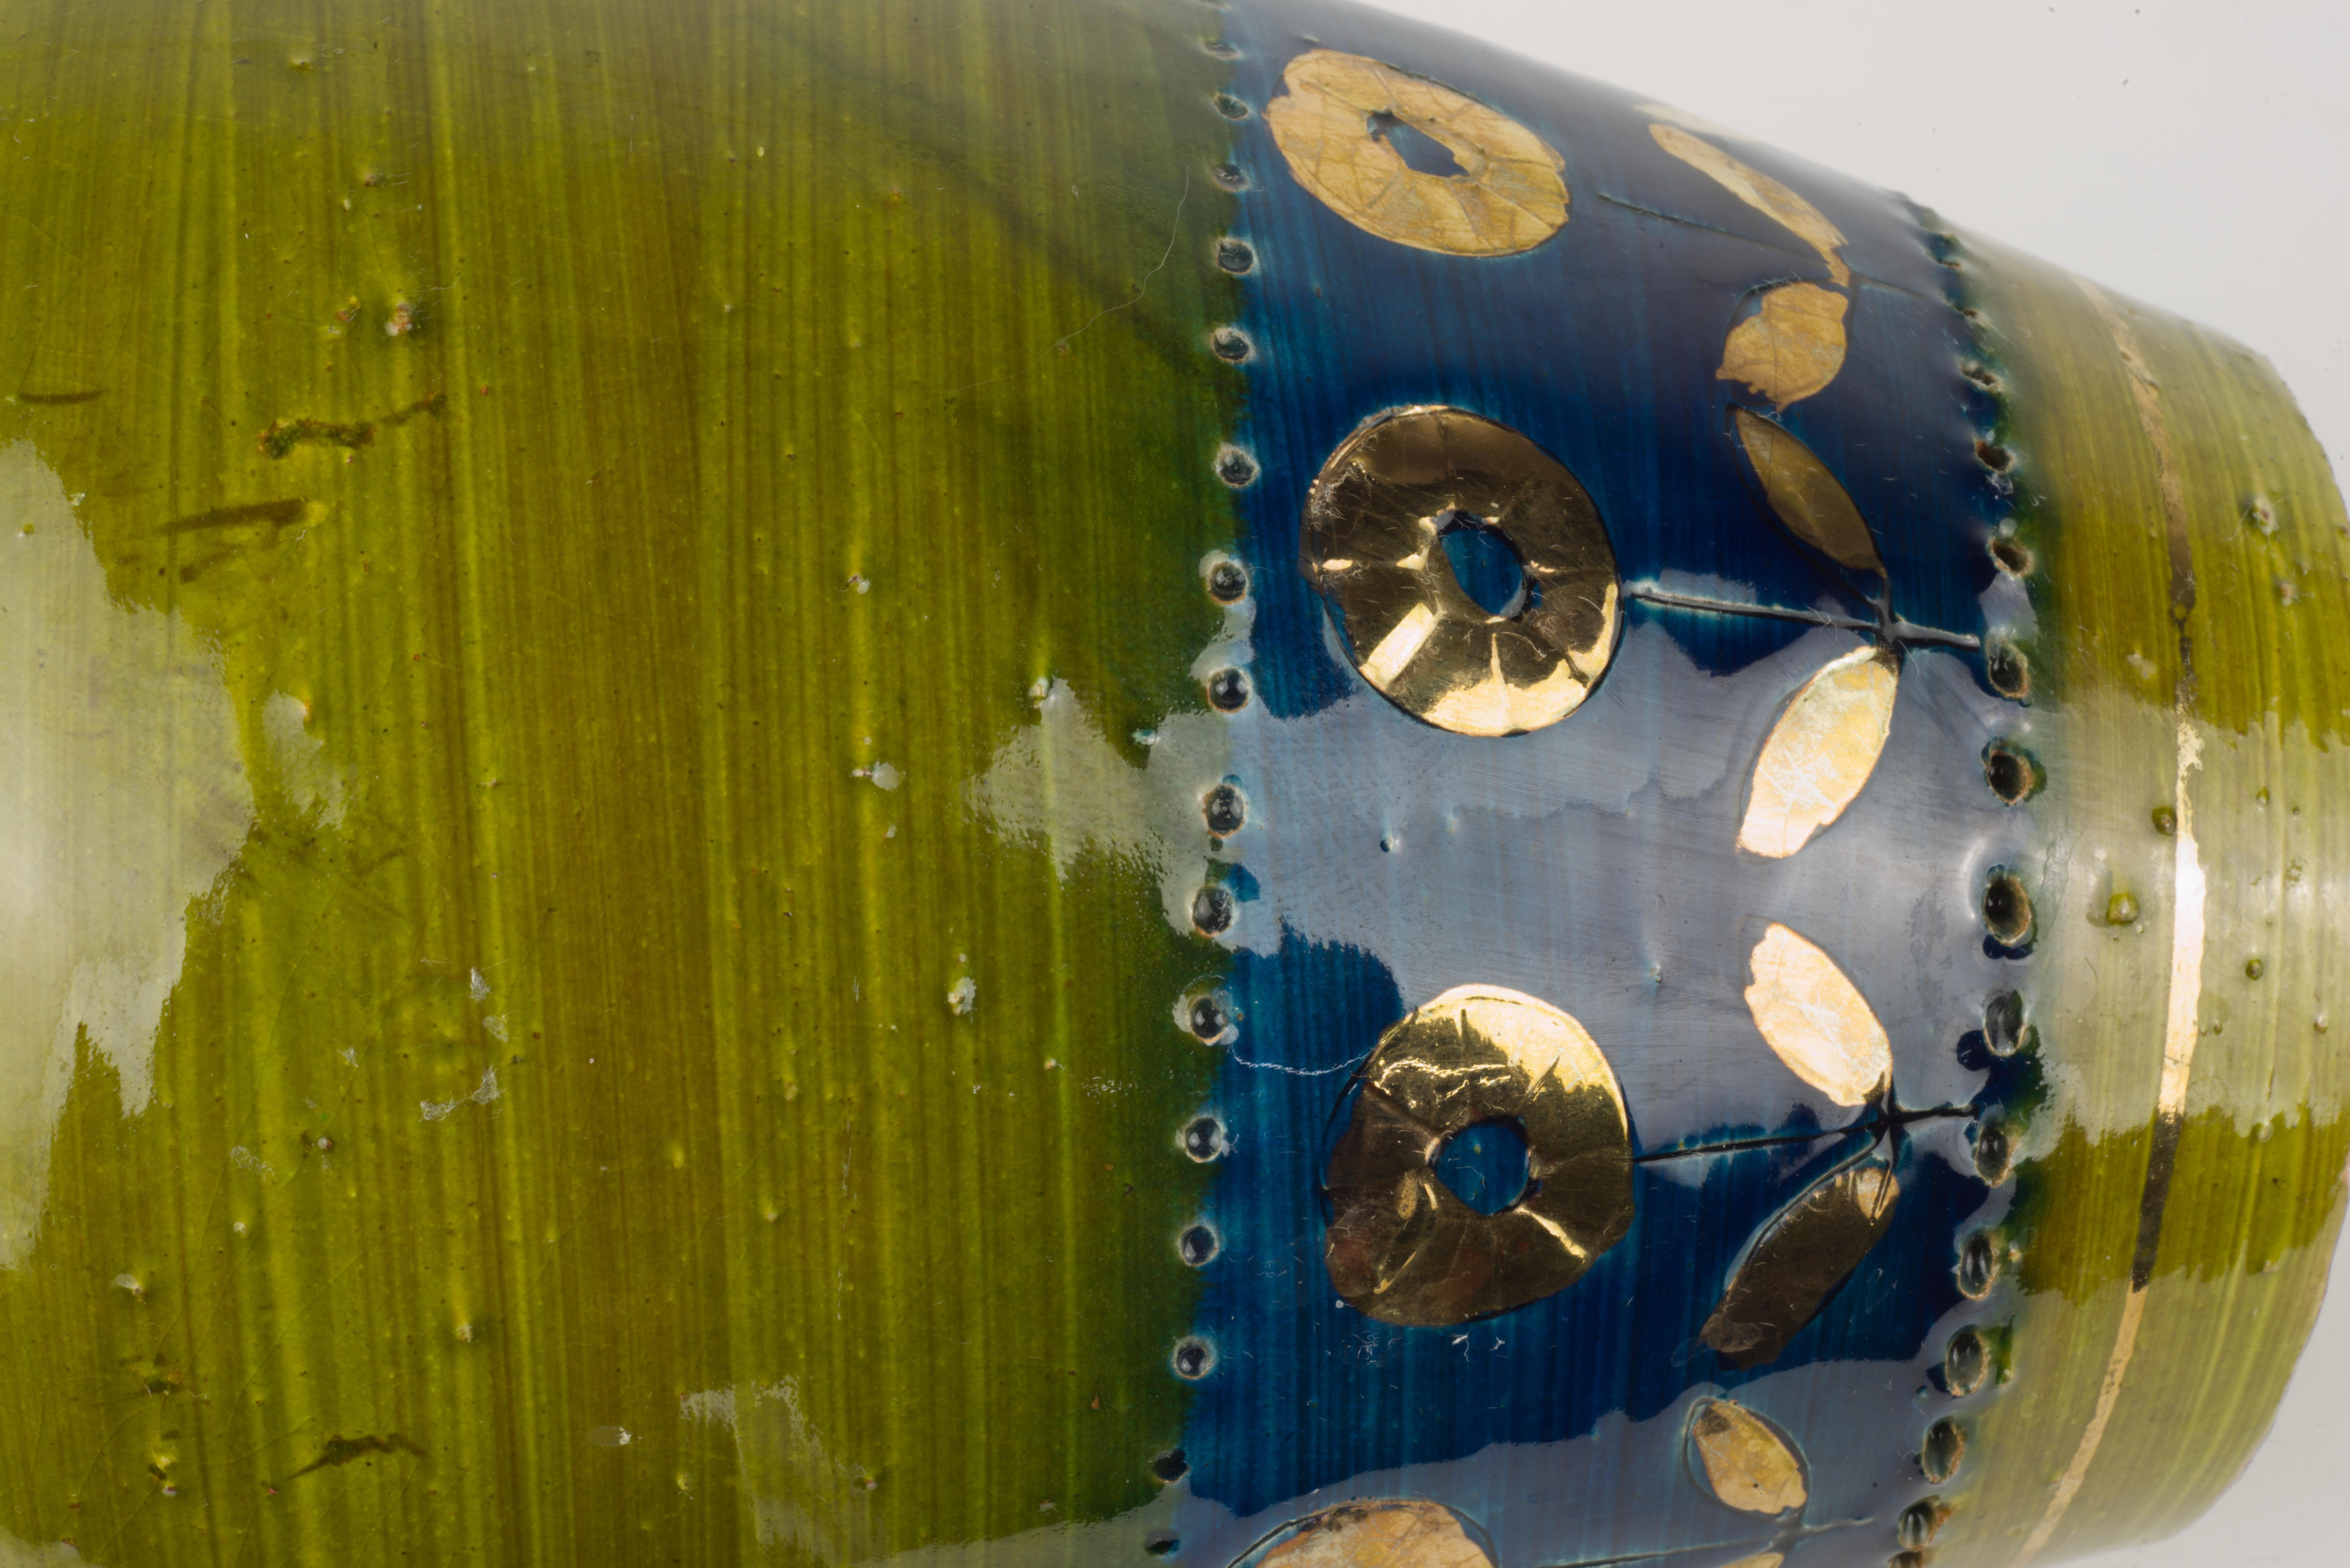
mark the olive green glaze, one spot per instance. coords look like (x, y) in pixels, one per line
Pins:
(551, 447)
(2252, 589)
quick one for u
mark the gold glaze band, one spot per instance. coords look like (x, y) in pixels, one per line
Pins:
(1375, 521)
(1402, 1246)
(2182, 1023)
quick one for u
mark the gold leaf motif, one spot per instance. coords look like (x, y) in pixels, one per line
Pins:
(1744, 1461)
(1790, 348)
(1814, 1019)
(1399, 1534)
(1799, 1258)
(1820, 753)
(1402, 1247)
(1807, 498)
(1508, 198)
(1375, 522)
(1760, 192)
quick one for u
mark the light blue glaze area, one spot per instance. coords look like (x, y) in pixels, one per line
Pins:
(1593, 863)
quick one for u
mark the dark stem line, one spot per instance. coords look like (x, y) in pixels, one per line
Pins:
(1631, 206)
(1731, 607)
(1893, 626)
(1910, 632)
(1937, 1114)
(1738, 1145)
(1879, 1122)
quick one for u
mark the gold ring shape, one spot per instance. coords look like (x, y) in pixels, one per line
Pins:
(1402, 1245)
(1330, 126)
(1373, 546)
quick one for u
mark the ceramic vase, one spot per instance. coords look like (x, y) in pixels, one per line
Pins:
(953, 784)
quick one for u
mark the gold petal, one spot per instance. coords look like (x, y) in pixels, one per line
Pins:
(1760, 192)
(1792, 348)
(1744, 1461)
(1798, 1260)
(1820, 753)
(1509, 199)
(1399, 1534)
(1820, 1025)
(1816, 508)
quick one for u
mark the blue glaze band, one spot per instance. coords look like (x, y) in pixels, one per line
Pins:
(1601, 345)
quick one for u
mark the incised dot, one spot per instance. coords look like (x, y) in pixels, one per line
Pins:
(1978, 1265)
(2007, 908)
(1197, 1245)
(1994, 1153)
(2011, 772)
(1921, 1523)
(1945, 1446)
(1203, 1138)
(1194, 1358)
(1225, 810)
(2004, 1030)
(2010, 672)
(1966, 1360)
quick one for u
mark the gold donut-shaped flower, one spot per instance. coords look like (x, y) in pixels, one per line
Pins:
(1402, 1246)
(1374, 520)
(1508, 197)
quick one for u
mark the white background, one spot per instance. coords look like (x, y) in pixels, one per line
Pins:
(2197, 157)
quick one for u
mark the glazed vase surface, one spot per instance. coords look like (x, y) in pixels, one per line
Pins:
(1118, 780)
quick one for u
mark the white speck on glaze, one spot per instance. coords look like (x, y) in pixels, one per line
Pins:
(434, 1110)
